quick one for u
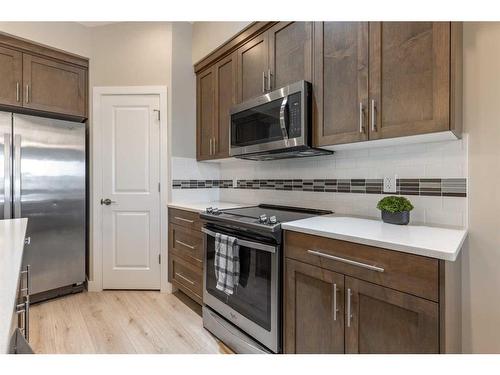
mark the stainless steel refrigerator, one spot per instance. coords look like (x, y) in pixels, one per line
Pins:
(42, 178)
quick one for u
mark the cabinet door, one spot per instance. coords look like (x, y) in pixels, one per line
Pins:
(205, 113)
(386, 321)
(53, 86)
(252, 67)
(340, 83)
(314, 305)
(290, 53)
(409, 78)
(225, 98)
(11, 71)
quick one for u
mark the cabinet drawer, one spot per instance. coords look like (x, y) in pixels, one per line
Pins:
(408, 273)
(186, 243)
(186, 219)
(186, 277)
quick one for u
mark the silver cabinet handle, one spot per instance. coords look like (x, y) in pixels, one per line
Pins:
(263, 82)
(184, 278)
(182, 219)
(361, 117)
(27, 93)
(374, 115)
(335, 309)
(184, 244)
(27, 319)
(18, 96)
(25, 306)
(17, 176)
(349, 315)
(269, 83)
(210, 146)
(6, 173)
(27, 287)
(348, 261)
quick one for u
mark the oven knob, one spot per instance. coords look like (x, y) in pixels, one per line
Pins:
(273, 220)
(209, 210)
(263, 218)
(215, 211)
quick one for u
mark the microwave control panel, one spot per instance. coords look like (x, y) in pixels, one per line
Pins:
(294, 116)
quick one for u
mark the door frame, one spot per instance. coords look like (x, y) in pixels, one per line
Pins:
(94, 279)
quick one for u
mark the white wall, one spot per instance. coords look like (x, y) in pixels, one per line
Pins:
(481, 313)
(183, 92)
(131, 53)
(207, 36)
(69, 36)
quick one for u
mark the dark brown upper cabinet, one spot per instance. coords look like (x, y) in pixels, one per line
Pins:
(314, 309)
(37, 78)
(11, 71)
(225, 98)
(275, 58)
(409, 78)
(371, 80)
(383, 80)
(253, 68)
(290, 53)
(340, 86)
(385, 321)
(205, 113)
(52, 86)
(216, 94)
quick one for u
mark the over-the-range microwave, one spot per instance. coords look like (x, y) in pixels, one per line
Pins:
(276, 125)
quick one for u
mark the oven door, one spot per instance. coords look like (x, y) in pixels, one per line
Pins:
(273, 121)
(253, 307)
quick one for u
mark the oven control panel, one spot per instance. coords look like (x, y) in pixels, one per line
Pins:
(213, 211)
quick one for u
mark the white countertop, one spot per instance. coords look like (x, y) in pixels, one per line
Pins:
(201, 206)
(434, 242)
(12, 233)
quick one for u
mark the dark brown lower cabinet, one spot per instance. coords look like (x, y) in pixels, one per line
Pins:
(343, 297)
(329, 313)
(314, 305)
(383, 320)
(185, 253)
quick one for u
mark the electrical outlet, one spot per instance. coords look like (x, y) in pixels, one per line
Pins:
(390, 184)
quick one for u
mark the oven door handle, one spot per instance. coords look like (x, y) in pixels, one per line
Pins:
(251, 244)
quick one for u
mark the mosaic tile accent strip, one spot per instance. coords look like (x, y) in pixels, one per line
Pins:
(201, 184)
(446, 187)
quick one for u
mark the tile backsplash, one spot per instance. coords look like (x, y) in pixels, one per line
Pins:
(432, 175)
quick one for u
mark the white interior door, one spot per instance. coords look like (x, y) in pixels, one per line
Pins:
(130, 129)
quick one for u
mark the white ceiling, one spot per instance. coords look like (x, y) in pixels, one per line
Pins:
(96, 23)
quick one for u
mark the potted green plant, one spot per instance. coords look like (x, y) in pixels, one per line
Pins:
(395, 210)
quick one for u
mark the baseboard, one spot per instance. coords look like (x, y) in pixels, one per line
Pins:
(169, 289)
(92, 286)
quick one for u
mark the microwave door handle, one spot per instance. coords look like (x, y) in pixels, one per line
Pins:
(241, 242)
(284, 132)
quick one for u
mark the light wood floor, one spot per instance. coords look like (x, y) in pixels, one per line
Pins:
(120, 322)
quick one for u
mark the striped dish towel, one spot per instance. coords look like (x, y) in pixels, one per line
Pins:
(227, 263)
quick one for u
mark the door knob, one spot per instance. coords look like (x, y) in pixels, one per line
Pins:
(107, 201)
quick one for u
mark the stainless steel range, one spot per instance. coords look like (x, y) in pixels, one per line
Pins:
(249, 320)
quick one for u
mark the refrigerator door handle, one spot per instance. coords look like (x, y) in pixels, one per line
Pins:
(7, 210)
(17, 176)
